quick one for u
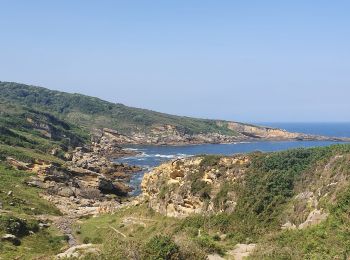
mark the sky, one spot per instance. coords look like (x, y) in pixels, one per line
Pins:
(250, 61)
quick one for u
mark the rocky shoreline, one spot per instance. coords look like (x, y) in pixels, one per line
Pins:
(170, 135)
(87, 183)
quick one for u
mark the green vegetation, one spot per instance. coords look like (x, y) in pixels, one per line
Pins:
(161, 247)
(20, 205)
(41, 131)
(90, 112)
(17, 226)
(148, 235)
(38, 124)
(30, 135)
(272, 180)
(201, 188)
(270, 183)
(221, 196)
(328, 240)
(40, 245)
(24, 199)
(210, 160)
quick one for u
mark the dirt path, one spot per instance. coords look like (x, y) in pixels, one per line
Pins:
(65, 225)
(241, 251)
(62, 223)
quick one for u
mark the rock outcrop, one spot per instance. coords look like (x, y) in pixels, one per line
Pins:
(79, 251)
(194, 185)
(87, 181)
(208, 185)
(172, 135)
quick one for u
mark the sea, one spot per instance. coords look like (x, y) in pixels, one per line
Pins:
(152, 156)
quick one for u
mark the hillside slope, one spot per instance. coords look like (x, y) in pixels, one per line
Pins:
(50, 175)
(137, 125)
(284, 205)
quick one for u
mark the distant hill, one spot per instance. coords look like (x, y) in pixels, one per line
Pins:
(139, 125)
(27, 133)
(93, 112)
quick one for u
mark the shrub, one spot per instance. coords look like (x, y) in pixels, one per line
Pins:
(201, 188)
(221, 196)
(208, 244)
(161, 247)
(17, 226)
(210, 160)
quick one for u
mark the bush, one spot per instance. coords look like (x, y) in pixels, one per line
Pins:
(201, 188)
(17, 226)
(210, 160)
(161, 247)
(208, 244)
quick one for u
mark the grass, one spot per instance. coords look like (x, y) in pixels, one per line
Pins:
(26, 154)
(30, 141)
(24, 199)
(143, 228)
(41, 245)
(18, 217)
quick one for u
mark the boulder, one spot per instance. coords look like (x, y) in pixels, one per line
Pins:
(36, 183)
(78, 251)
(65, 192)
(105, 185)
(121, 188)
(57, 174)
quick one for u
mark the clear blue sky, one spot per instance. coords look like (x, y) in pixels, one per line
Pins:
(249, 61)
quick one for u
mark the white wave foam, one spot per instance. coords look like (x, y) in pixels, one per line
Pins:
(164, 155)
(236, 143)
(183, 155)
(131, 149)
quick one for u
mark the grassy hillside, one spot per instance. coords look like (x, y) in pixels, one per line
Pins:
(29, 135)
(266, 198)
(18, 216)
(92, 112)
(26, 133)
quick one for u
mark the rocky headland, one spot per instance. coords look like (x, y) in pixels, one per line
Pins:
(171, 135)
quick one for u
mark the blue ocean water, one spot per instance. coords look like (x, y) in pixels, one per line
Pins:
(152, 156)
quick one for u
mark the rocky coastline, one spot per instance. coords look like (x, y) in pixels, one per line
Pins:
(171, 135)
(90, 183)
(87, 183)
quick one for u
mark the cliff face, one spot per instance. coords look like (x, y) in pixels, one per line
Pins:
(194, 185)
(263, 132)
(297, 184)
